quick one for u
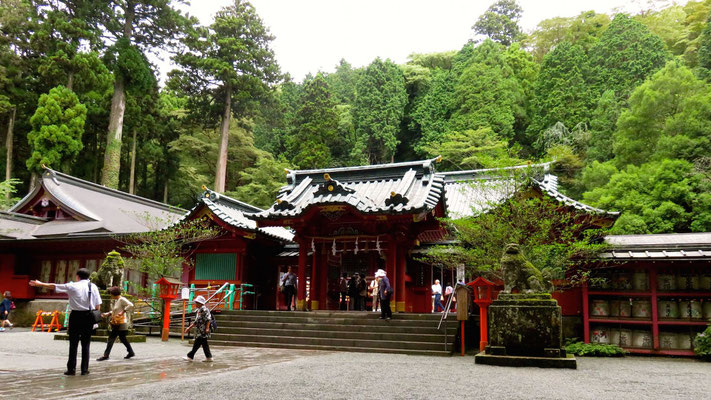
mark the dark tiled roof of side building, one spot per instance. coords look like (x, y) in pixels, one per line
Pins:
(94, 209)
(234, 213)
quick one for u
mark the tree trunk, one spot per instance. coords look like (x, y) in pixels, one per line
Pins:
(165, 192)
(112, 155)
(70, 81)
(131, 179)
(221, 172)
(8, 145)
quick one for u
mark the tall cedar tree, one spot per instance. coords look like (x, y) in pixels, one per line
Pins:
(500, 22)
(18, 96)
(136, 26)
(486, 92)
(63, 29)
(626, 54)
(316, 136)
(57, 127)
(227, 67)
(378, 110)
(560, 91)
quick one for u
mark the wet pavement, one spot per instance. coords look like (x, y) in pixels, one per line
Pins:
(27, 374)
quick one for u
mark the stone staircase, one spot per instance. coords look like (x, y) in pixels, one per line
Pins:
(337, 331)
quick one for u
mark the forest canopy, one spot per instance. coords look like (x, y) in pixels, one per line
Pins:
(621, 102)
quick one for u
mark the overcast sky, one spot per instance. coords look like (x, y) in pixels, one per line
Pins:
(313, 35)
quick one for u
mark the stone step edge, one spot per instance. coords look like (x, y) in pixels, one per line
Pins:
(441, 353)
(232, 337)
(344, 333)
(302, 314)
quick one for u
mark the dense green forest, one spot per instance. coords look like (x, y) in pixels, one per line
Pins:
(621, 102)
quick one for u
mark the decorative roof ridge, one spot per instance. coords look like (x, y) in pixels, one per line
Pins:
(547, 186)
(422, 163)
(52, 174)
(213, 201)
(221, 197)
(19, 216)
(451, 176)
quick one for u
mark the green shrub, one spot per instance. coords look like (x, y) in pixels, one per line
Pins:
(702, 344)
(595, 349)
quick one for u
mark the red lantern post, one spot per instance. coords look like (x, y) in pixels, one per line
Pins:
(483, 297)
(169, 289)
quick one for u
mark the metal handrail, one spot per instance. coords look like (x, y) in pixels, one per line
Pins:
(445, 312)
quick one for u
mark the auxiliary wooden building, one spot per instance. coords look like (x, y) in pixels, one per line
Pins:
(66, 223)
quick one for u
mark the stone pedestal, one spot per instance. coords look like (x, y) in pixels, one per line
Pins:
(528, 326)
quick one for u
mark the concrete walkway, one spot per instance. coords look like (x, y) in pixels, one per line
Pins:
(32, 365)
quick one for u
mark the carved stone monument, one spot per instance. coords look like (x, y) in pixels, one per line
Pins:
(525, 328)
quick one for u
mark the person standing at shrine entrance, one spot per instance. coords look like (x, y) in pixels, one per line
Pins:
(343, 289)
(385, 292)
(437, 293)
(288, 284)
(374, 293)
(83, 297)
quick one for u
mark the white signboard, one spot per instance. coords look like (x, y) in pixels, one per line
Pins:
(460, 273)
(185, 293)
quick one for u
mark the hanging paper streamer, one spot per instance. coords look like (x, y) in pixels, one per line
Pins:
(355, 250)
(377, 244)
(313, 247)
(333, 248)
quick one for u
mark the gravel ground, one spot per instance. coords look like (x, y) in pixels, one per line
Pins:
(380, 376)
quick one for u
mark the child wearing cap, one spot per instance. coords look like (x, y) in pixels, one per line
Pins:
(202, 330)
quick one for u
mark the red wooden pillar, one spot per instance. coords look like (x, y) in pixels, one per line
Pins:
(652, 276)
(391, 266)
(315, 280)
(586, 314)
(301, 290)
(400, 295)
(322, 278)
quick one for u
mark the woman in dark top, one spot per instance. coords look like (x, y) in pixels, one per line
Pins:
(362, 292)
(353, 292)
(5, 308)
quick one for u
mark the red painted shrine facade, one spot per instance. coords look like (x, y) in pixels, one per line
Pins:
(360, 219)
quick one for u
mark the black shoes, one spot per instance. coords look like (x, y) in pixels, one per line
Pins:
(102, 358)
(129, 355)
(72, 373)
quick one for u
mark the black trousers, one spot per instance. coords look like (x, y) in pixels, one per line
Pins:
(385, 311)
(79, 330)
(200, 341)
(115, 332)
(289, 294)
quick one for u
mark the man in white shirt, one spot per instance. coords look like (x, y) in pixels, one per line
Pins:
(83, 297)
(437, 293)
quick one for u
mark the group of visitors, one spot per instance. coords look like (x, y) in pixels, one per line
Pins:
(437, 296)
(84, 304)
(355, 291)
